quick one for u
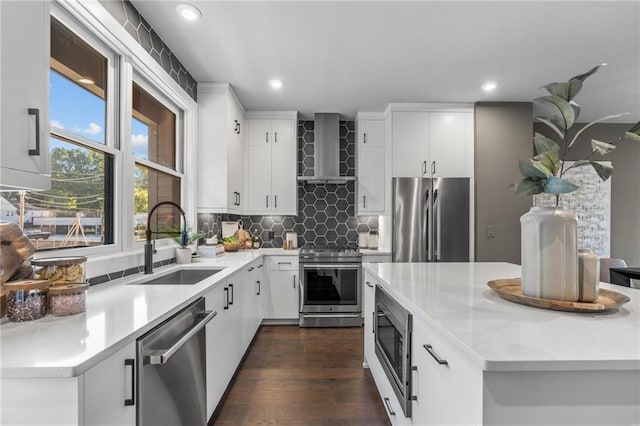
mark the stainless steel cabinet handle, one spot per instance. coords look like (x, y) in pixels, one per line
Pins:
(231, 292)
(266, 201)
(275, 137)
(364, 138)
(368, 283)
(294, 281)
(238, 198)
(226, 298)
(284, 263)
(413, 397)
(435, 356)
(364, 201)
(129, 362)
(424, 167)
(275, 201)
(163, 356)
(266, 135)
(433, 167)
(258, 293)
(36, 112)
(387, 402)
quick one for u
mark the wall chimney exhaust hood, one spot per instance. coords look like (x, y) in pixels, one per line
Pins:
(327, 151)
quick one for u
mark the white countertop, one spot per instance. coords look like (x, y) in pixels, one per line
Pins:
(116, 314)
(500, 335)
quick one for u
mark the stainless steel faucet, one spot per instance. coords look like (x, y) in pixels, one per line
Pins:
(149, 250)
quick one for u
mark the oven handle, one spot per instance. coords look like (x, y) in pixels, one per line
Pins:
(331, 266)
(331, 315)
(300, 293)
(163, 356)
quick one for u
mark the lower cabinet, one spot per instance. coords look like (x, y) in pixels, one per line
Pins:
(284, 288)
(109, 390)
(446, 386)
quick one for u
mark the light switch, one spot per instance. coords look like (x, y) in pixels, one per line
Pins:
(491, 231)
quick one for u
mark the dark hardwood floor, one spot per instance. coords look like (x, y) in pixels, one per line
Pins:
(304, 376)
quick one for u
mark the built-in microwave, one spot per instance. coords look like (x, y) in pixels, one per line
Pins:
(393, 327)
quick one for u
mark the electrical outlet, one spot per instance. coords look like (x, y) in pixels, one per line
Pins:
(491, 231)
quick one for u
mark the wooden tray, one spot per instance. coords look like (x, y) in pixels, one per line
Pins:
(510, 289)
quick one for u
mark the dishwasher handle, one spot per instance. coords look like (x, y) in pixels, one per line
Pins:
(163, 356)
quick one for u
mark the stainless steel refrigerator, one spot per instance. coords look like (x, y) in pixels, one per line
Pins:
(430, 219)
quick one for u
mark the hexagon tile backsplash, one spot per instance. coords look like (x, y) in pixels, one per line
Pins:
(326, 212)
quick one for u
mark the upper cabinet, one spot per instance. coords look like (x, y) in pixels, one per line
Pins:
(432, 143)
(271, 163)
(221, 150)
(24, 84)
(371, 167)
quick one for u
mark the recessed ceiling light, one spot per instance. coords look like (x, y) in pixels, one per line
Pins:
(188, 12)
(276, 83)
(84, 80)
(489, 86)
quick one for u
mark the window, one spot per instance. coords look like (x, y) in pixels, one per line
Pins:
(78, 209)
(156, 178)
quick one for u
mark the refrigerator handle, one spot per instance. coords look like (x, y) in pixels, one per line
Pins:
(427, 224)
(436, 226)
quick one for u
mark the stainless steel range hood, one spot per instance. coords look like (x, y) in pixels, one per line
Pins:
(327, 151)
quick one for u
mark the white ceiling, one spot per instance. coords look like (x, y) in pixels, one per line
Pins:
(360, 55)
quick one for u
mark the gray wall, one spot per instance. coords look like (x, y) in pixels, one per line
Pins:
(503, 136)
(625, 185)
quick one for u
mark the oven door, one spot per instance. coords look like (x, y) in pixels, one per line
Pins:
(330, 288)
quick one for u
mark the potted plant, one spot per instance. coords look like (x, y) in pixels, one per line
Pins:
(185, 251)
(549, 234)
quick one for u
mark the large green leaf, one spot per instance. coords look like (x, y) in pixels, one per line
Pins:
(549, 162)
(583, 77)
(634, 132)
(560, 111)
(632, 136)
(566, 90)
(550, 125)
(602, 147)
(556, 185)
(576, 110)
(544, 144)
(529, 187)
(608, 117)
(528, 170)
(603, 170)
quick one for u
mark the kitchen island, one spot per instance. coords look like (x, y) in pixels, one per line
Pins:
(508, 363)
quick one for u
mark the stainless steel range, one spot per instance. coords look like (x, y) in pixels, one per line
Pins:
(330, 286)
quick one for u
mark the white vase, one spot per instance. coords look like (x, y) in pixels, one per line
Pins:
(588, 275)
(183, 255)
(550, 254)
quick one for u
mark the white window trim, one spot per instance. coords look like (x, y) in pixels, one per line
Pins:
(90, 14)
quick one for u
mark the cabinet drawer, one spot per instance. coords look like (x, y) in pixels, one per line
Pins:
(282, 263)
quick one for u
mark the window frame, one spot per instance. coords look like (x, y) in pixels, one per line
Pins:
(129, 63)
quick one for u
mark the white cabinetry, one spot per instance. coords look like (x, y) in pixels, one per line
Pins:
(221, 150)
(432, 143)
(371, 166)
(271, 164)
(24, 84)
(283, 288)
(109, 390)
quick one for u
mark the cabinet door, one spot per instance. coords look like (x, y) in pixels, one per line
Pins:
(368, 309)
(283, 179)
(371, 133)
(236, 158)
(448, 144)
(284, 294)
(284, 133)
(371, 179)
(24, 84)
(259, 182)
(259, 132)
(106, 388)
(218, 361)
(410, 141)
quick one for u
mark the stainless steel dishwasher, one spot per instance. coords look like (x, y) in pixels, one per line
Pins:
(171, 370)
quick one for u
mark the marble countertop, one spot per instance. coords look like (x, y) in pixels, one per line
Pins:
(499, 335)
(116, 313)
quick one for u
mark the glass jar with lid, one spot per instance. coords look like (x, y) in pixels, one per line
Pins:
(61, 270)
(26, 299)
(68, 299)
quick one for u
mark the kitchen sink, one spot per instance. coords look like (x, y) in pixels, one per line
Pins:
(181, 277)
